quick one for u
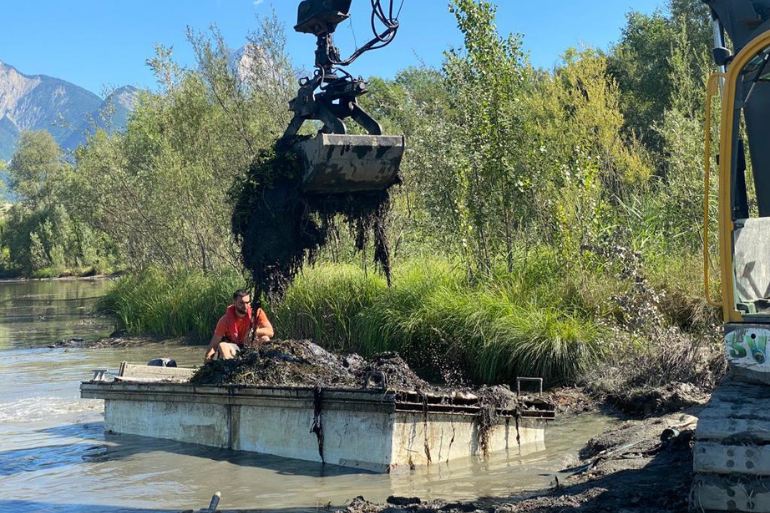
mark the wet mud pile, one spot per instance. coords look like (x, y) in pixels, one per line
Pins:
(278, 226)
(302, 363)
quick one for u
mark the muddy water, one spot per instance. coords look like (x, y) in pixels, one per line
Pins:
(54, 455)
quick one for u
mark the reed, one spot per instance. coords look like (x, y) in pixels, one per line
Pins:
(486, 332)
(323, 302)
(185, 303)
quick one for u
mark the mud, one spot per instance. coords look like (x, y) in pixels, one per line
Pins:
(572, 401)
(640, 466)
(670, 398)
(279, 226)
(302, 363)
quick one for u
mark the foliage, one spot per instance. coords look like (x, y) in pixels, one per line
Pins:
(160, 189)
(641, 64)
(442, 323)
(42, 237)
(37, 169)
(185, 303)
(487, 82)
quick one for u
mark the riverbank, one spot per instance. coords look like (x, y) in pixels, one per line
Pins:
(66, 278)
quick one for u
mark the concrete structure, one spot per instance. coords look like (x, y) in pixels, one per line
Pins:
(374, 430)
(731, 457)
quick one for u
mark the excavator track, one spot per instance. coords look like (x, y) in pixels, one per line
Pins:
(731, 457)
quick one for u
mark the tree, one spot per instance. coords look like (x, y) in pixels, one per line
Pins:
(488, 81)
(161, 190)
(37, 169)
(641, 64)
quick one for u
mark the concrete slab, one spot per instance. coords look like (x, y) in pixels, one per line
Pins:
(368, 429)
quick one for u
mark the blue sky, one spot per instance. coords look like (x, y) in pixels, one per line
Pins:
(104, 43)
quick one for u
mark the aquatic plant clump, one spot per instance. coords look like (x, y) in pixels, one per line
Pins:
(278, 225)
(303, 363)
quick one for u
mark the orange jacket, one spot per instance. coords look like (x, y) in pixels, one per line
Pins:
(235, 328)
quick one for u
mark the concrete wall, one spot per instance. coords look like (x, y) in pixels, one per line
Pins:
(438, 438)
(350, 438)
(361, 429)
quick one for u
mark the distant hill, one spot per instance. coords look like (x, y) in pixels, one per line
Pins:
(40, 102)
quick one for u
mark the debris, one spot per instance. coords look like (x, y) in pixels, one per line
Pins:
(303, 363)
(278, 225)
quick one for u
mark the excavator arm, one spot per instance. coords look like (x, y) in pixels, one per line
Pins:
(336, 162)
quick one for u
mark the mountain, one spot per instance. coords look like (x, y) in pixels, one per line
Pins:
(40, 102)
(112, 114)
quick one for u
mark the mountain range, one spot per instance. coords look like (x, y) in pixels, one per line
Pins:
(67, 111)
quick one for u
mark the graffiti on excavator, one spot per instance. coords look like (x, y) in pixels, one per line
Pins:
(747, 346)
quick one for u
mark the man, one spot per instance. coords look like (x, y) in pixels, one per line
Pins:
(232, 331)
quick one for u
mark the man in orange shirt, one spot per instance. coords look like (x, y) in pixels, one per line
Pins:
(234, 327)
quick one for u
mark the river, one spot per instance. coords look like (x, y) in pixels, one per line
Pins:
(55, 456)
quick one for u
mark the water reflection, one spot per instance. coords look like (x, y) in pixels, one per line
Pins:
(34, 313)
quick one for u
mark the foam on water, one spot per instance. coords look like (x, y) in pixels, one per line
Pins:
(39, 409)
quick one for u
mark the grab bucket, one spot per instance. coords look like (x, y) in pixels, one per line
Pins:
(339, 164)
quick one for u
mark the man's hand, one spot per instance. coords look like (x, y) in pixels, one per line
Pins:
(211, 351)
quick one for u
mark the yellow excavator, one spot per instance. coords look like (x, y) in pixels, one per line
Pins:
(336, 162)
(731, 456)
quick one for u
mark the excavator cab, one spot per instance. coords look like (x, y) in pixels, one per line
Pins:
(744, 181)
(335, 161)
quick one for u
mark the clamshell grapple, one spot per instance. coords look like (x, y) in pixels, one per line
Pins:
(335, 161)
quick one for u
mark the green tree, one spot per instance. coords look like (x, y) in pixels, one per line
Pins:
(641, 63)
(488, 81)
(161, 189)
(37, 169)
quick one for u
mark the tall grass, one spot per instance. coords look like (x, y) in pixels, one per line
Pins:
(323, 302)
(526, 323)
(492, 332)
(186, 303)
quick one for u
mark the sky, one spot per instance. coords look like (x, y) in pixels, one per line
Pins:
(102, 44)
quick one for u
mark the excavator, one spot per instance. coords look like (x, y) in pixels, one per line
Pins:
(731, 455)
(335, 161)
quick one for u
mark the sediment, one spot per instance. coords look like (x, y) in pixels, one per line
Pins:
(639, 466)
